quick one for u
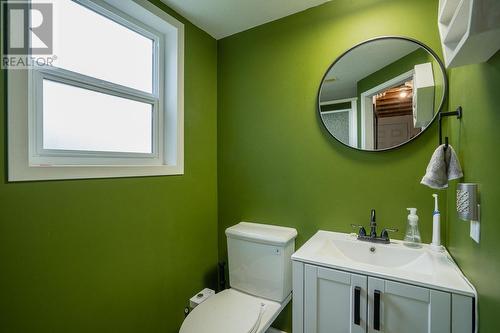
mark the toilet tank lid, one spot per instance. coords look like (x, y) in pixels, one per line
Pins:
(263, 233)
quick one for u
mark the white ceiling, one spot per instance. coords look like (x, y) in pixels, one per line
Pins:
(222, 18)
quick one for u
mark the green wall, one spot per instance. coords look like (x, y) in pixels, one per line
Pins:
(476, 137)
(124, 255)
(115, 255)
(276, 164)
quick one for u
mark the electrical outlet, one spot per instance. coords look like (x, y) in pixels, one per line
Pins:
(474, 231)
(475, 226)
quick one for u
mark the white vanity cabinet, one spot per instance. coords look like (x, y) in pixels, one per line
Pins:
(400, 307)
(334, 301)
(344, 285)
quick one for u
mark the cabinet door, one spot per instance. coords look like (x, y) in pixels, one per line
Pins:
(334, 301)
(397, 307)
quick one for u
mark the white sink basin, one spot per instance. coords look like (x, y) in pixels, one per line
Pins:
(383, 255)
(370, 253)
(420, 266)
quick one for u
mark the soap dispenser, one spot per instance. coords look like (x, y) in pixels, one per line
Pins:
(412, 237)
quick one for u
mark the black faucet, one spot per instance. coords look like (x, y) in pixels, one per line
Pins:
(373, 224)
(372, 237)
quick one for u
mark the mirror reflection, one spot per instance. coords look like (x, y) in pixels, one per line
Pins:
(381, 93)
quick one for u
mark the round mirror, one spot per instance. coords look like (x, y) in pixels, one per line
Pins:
(382, 93)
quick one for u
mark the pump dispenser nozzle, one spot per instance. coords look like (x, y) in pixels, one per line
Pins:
(413, 211)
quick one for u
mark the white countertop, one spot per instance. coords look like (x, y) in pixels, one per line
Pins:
(395, 261)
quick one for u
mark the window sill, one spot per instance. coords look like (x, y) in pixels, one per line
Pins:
(34, 173)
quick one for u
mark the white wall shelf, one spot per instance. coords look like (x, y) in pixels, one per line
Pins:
(469, 30)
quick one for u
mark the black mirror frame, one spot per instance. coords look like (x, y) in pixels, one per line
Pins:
(443, 98)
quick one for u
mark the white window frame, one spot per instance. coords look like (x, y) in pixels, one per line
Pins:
(28, 160)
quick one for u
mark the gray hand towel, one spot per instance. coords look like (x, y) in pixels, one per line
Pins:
(444, 166)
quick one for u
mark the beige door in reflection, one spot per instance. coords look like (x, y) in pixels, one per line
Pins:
(393, 131)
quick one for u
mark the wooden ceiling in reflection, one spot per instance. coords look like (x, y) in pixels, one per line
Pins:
(396, 101)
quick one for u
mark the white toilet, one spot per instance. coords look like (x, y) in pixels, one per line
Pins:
(260, 275)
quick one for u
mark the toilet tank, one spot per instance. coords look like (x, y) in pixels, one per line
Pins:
(260, 259)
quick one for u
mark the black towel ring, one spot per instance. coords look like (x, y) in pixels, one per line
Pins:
(458, 112)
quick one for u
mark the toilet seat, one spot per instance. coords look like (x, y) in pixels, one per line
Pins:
(231, 311)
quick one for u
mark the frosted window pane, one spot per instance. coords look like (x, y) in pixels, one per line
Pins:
(91, 44)
(338, 124)
(85, 120)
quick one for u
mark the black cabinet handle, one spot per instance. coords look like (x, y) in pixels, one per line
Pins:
(357, 305)
(376, 310)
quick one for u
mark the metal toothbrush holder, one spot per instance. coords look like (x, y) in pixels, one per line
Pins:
(467, 202)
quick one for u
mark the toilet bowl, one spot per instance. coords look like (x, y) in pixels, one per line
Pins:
(261, 283)
(232, 311)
